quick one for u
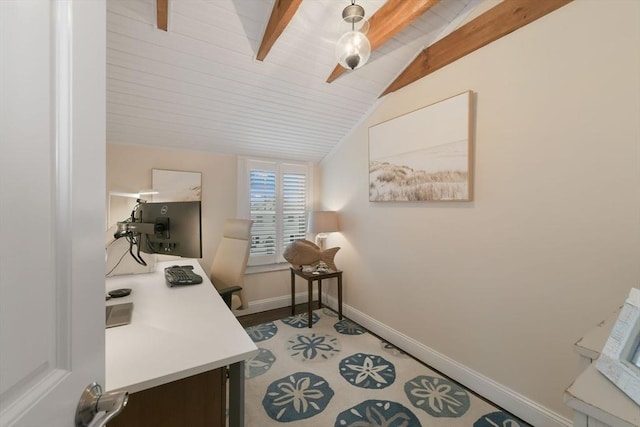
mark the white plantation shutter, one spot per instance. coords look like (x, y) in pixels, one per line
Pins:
(262, 203)
(294, 202)
(275, 196)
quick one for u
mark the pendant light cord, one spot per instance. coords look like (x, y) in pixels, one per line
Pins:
(353, 24)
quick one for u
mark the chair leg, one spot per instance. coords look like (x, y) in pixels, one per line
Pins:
(227, 299)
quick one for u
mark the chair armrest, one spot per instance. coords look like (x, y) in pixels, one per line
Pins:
(227, 293)
(230, 290)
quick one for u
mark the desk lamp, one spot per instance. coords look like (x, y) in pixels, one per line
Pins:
(322, 222)
(133, 195)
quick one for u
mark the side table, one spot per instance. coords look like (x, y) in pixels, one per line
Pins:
(310, 277)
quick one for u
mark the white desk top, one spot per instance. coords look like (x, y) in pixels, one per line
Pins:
(174, 332)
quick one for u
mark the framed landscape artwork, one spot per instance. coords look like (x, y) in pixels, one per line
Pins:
(176, 186)
(425, 155)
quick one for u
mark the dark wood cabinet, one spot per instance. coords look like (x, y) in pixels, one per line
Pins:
(196, 401)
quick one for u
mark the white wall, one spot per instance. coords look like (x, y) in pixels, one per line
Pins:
(551, 245)
(129, 170)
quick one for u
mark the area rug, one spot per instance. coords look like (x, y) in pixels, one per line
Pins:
(338, 374)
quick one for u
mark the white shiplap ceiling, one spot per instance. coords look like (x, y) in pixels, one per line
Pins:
(198, 86)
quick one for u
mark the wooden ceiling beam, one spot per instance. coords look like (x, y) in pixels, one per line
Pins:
(497, 22)
(389, 20)
(162, 14)
(283, 11)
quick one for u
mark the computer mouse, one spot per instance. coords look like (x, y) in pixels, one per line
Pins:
(118, 293)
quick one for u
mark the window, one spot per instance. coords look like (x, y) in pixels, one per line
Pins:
(274, 194)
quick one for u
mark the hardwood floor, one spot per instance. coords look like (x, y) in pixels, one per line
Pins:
(271, 315)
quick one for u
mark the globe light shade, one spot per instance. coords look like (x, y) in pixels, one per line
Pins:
(353, 50)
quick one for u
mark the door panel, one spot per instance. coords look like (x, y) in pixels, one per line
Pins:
(52, 180)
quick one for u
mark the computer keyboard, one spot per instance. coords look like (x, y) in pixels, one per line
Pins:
(181, 275)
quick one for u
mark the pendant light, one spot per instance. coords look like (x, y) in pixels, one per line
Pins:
(353, 48)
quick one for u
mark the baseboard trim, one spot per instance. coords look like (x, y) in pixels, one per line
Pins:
(519, 405)
(274, 303)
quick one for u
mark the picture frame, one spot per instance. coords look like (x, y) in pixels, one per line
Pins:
(424, 155)
(176, 186)
(620, 357)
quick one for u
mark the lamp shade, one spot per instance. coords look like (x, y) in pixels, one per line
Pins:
(133, 195)
(323, 222)
(353, 50)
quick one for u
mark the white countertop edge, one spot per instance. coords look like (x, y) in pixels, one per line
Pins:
(180, 375)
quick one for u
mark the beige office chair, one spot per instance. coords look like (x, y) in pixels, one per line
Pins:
(230, 262)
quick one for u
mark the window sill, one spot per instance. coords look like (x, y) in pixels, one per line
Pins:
(267, 268)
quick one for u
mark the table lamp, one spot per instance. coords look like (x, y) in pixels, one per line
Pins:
(322, 222)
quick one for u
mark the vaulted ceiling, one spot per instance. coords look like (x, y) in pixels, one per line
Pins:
(259, 77)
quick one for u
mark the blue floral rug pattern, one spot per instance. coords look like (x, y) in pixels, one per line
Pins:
(437, 396)
(367, 371)
(377, 413)
(337, 374)
(313, 347)
(296, 397)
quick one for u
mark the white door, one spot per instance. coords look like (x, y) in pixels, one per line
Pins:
(52, 181)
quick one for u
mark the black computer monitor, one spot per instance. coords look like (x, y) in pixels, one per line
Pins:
(176, 228)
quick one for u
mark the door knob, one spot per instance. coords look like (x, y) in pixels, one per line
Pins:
(93, 401)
